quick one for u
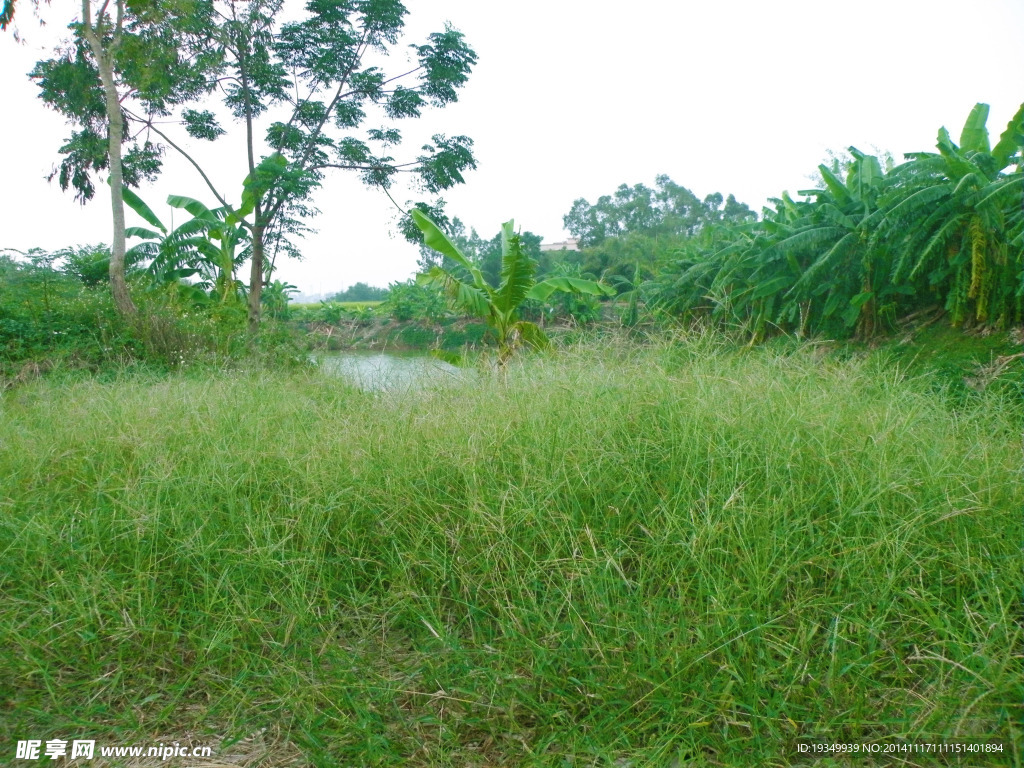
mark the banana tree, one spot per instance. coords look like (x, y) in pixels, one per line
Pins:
(171, 253)
(811, 264)
(752, 274)
(849, 267)
(205, 245)
(956, 218)
(275, 298)
(225, 234)
(500, 305)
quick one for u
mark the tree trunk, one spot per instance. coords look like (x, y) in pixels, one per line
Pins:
(256, 274)
(259, 226)
(115, 136)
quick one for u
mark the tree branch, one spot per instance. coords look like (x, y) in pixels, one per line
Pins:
(274, 207)
(187, 156)
(99, 14)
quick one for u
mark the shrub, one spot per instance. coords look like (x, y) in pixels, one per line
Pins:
(412, 301)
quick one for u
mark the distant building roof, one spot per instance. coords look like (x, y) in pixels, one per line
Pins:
(572, 244)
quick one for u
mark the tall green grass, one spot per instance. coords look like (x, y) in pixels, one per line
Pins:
(664, 554)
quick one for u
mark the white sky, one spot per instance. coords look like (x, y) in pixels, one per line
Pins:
(571, 99)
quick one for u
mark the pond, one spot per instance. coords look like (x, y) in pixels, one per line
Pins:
(375, 371)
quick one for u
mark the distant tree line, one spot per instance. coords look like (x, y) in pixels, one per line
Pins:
(361, 292)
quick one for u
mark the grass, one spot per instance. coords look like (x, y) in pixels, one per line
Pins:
(678, 555)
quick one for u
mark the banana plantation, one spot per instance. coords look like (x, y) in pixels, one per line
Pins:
(873, 244)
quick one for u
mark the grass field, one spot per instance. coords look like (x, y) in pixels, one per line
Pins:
(669, 556)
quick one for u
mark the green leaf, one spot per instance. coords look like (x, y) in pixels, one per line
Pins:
(834, 185)
(530, 333)
(470, 298)
(259, 182)
(543, 290)
(1010, 141)
(201, 125)
(134, 202)
(865, 177)
(434, 238)
(861, 299)
(142, 232)
(770, 287)
(974, 137)
(193, 206)
(517, 271)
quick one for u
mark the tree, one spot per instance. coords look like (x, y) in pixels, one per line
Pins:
(499, 305)
(323, 69)
(942, 227)
(146, 54)
(361, 292)
(669, 209)
(955, 219)
(842, 263)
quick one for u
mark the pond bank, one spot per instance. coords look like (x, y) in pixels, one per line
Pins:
(390, 335)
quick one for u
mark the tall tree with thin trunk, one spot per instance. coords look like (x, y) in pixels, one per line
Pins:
(103, 43)
(147, 53)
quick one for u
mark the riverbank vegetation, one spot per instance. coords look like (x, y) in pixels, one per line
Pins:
(661, 553)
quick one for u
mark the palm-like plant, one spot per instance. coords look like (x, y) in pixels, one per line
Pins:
(956, 219)
(205, 245)
(499, 305)
(846, 258)
(275, 298)
(225, 234)
(753, 273)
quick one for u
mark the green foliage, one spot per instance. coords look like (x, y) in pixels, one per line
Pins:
(413, 301)
(49, 317)
(956, 224)
(500, 305)
(417, 337)
(463, 335)
(667, 210)
(361, 292)
(335, 312)
(326, 69)
(46, 312)
(868, 247)
(576, 306)
(88, 263)
(206, 246)
(275, 298)
(160, 60)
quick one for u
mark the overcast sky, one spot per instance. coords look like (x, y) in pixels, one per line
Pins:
(572, 99)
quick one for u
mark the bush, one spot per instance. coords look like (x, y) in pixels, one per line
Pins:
(90, 264)
(471, 335)
(49, 314)
(44, 311)
(411, 301)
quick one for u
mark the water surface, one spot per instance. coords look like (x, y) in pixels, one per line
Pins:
(382, 370)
